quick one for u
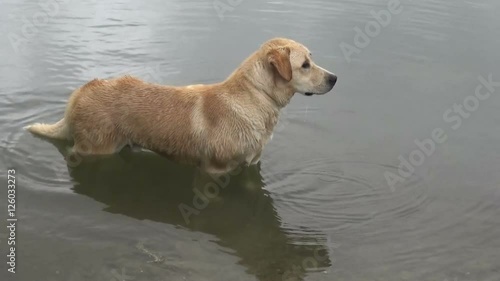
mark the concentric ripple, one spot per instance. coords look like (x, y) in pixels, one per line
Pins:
(341, 195)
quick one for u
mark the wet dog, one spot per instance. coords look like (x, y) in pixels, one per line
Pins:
(215, 127)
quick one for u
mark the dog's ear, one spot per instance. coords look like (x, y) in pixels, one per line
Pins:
(280, 59)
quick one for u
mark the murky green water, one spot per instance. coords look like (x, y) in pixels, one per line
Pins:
(385, 178)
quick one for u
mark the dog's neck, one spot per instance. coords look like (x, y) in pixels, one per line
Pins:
(257, 73)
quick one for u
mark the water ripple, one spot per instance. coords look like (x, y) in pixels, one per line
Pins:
(341, 195)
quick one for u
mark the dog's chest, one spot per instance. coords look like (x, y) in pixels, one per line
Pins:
(261, 133)
(254, 127)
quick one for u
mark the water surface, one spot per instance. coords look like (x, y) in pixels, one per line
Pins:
(318, 207)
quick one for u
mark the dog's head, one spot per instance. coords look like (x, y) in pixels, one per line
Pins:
(293, 66)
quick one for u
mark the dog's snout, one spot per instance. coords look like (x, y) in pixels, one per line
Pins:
(332, 79)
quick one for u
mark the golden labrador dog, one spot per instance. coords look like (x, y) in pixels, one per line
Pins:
(215, 127)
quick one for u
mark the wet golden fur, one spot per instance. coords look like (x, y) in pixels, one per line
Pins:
(215, 127)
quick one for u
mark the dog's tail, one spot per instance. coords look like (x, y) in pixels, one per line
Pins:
(58, 130)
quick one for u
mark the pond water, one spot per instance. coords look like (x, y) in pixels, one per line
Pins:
(394, 175)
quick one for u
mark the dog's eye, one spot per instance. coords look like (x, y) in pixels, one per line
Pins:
(306, 65)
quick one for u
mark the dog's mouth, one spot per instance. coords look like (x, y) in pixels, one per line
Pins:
(308, 94)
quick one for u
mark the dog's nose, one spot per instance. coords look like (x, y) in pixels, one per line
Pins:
(332, 79)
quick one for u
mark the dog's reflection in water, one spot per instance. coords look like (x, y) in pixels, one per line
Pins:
(235, 208)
